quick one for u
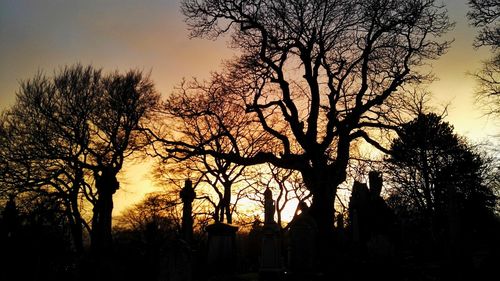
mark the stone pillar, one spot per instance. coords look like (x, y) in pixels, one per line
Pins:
(187, 195)
(271, 262)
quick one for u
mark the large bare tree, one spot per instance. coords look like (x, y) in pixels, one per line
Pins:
(124, 101)
(44, 138)
(73, 131)
(316, 76)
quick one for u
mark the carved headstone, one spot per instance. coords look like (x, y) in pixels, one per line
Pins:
(375, 180)
(10, 217)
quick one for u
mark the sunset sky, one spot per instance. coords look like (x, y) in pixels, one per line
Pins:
(150, 35)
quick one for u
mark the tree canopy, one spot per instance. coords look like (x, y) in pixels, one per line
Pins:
(68, 135)
(315, 76)
(433, 172)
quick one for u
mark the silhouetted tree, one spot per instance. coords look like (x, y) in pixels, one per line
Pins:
(485, 14)
(44, 139)
(204, 115)
(488, 85)
(436, 177)
(124, 101)
(491, 174)
(155, 209)
(287, 187)
(75, 127)
(315, 76)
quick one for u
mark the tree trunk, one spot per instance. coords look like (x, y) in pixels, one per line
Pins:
(322, 208)
(101, 238)
(76, 226)
(217, 213)
(322, 211)
(322, 183)
(221, 211)
(227, 203)
(76, 220)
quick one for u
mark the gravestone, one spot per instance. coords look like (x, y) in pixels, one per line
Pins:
(271, 264)
(359, 212)
(375, 181)
(371, 220)
(222, 258)
(269, 207)
(382, 220)
(301, 244)
(251, 249)
(179, 262)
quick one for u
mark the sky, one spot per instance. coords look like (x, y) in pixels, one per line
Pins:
(150, 35)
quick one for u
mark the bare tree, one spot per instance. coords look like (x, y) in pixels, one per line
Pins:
(488, 86)
(204, 115)
(484, 15)
(315, 76)
(157, 210)
(287, 187)
(75, 130)
(124, 101)
(215, 182)
(44, 138)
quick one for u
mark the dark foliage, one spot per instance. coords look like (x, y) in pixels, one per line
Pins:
(443, 203)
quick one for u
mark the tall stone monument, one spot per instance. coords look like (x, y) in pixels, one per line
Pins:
(271, 261)
(187, 195)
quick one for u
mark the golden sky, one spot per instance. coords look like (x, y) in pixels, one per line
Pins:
(150, 35)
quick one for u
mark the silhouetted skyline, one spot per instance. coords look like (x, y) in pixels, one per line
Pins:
(151, 35)
(339, 142)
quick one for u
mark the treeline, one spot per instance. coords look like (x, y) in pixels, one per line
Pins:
(67, 137)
